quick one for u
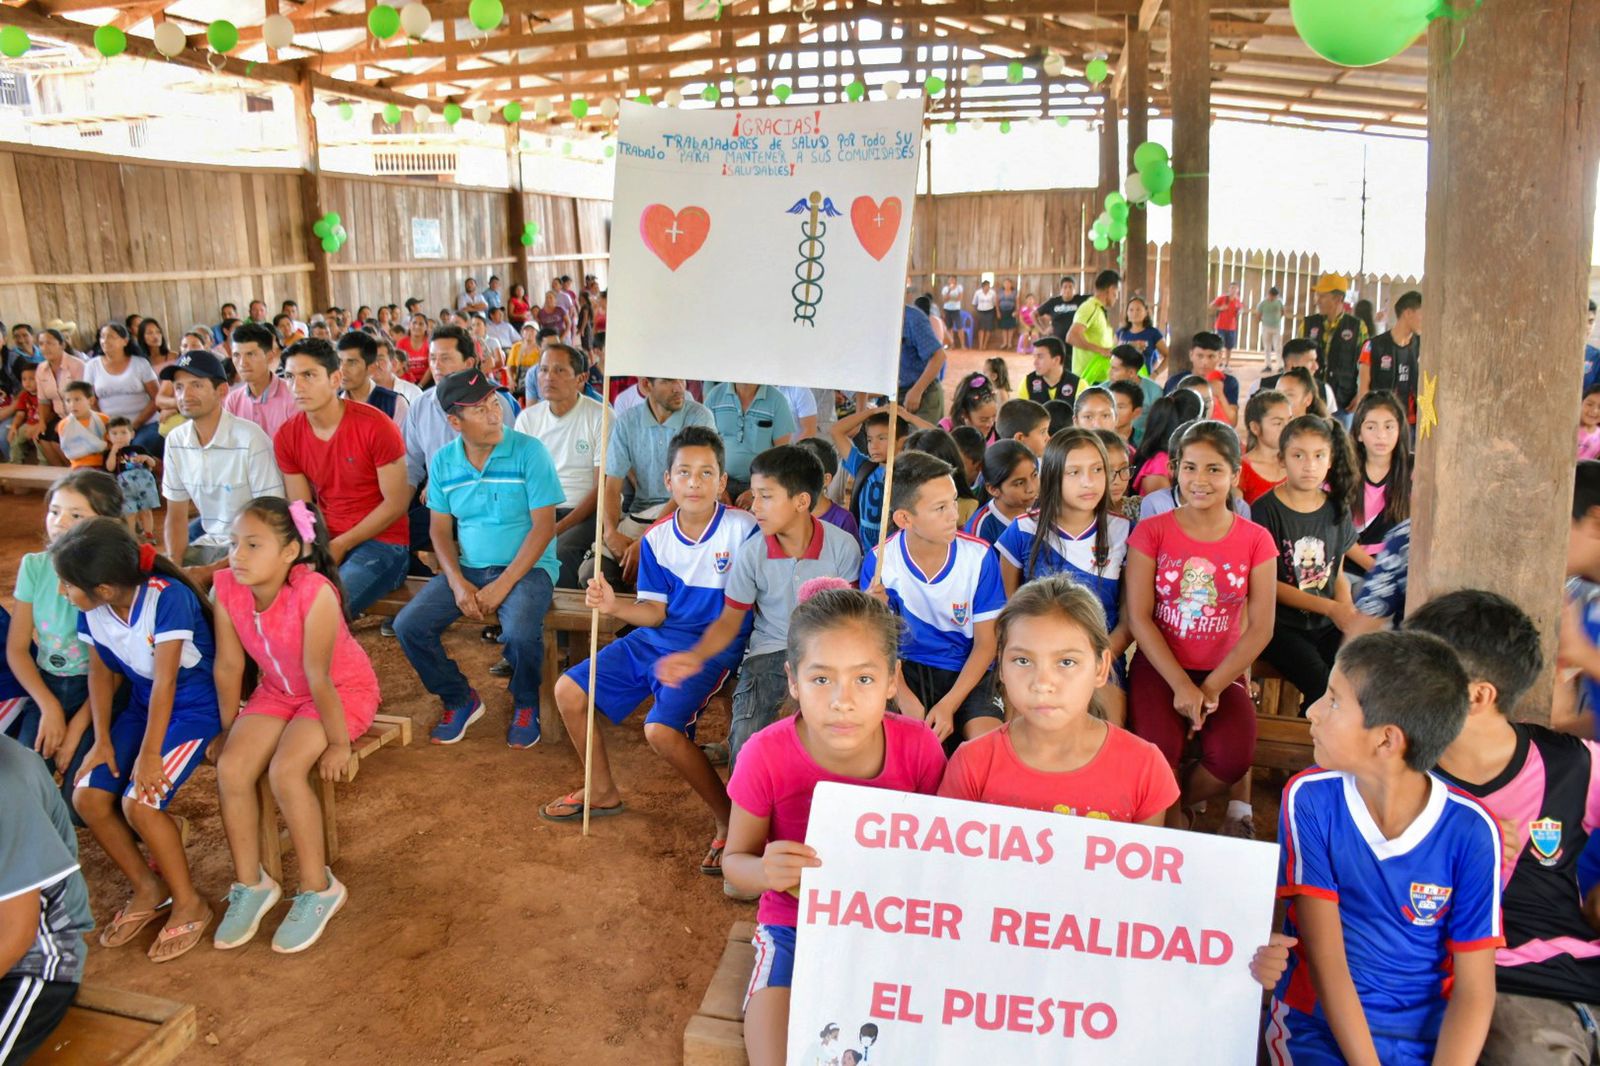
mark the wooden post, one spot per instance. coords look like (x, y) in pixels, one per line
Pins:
(594, 613)
(1190, 55)
(1135, 87)
(321, 294)
(1497, 468)
(1110, 174)
(516, 211)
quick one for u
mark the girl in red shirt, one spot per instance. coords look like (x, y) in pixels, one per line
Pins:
(1264, 418)
(415, 346)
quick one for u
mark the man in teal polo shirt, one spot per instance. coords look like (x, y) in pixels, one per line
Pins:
(750, 419)
(492, 494)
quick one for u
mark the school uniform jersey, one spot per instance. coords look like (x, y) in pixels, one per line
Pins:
(939, 609)
(690, 576)
(1550, 791)
(163, 611)
(1404, 904)
(987, 523)
(1073, 555)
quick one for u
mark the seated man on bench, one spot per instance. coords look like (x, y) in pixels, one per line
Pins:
(499, 490)
(44, 905)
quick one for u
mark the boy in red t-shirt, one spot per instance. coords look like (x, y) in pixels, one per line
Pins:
(28, 424)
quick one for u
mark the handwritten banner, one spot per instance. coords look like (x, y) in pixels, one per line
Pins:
(939, 931)
(765, 245)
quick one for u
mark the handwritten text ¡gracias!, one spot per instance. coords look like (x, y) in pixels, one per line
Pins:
(776, 125)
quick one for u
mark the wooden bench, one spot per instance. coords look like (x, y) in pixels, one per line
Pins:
(386, 729)
(715, 1035)
(1283, 738)
(567, 614)
(104, 1025)
(19, 476)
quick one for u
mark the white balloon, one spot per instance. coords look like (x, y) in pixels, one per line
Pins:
(608, 107)
(420, 114)
(742, 85)
(415, 19)
(169, 39)
(277, 32)
(1054, 65)
(1033, 120)
(673, 98)
(891, 90)
(974, 75)
(976, 124)
(481, 114)
(1133, 188)
(542, 108)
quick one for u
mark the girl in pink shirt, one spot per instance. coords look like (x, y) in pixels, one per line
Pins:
(841, 661)
(1190, 575)
(280, 602)
(1382, 499)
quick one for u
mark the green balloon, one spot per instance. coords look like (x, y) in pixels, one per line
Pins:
(1118, 229)
(532, 230)
(1101, 243)
(452, 114)
(391, 114)
(321, 228)
(782, 91)
(950, 127)
(566, 147)
(855, 91)
(527, 240)
(642, 3)
(1148, 156)
(1113, 198)
(383, 21)
(610, 151)
(110, 41)
(1162, 198)
(14, 41)
(1096, 71)
(1360, 33)
(933, 85)
(486, 14)
(579, 107)
(1005, 125)
(512, 112)
(1158, 178)
(223, 36)
(1014, 72)
(330, 244)
(711, 94)
(1062, 120)
(1118, 212)
(346, 112)
(333, 219)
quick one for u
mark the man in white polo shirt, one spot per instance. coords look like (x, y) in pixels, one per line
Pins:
(215, 460)
(568, 424)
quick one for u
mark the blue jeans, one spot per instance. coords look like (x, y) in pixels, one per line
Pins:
(423, 621)
(370, 571)
(71, 692)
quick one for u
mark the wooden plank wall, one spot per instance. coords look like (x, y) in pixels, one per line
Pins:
(574, 239)
(104, 237)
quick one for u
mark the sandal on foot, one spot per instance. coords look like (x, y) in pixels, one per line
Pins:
(716, 753)
(574, 800)
(184, 937)
(711, 865)
(126, 924)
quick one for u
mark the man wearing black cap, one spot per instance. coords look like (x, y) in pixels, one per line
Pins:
(216, 461)
(492, 494)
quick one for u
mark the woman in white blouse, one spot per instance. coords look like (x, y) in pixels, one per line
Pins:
(125, 386)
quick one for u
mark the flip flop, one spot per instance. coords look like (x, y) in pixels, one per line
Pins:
(575, 801)
(186, 936)
(126, 924)
(711, 865)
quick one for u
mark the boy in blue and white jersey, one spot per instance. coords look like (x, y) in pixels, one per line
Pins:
(1393, 877)
(946, 586)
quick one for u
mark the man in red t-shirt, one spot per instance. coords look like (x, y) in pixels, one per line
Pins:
(1228, 306)
(349, 460)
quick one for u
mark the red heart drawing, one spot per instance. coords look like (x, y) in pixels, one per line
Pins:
(876, 224)
(674, 235)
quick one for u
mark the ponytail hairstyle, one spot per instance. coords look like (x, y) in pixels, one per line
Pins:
(1255, 411)
(1001, 458)
(974, 391)
(1397, 500)
(999, 373)
(98, 488)
(1319, 405)
(1052, 466)
(941, 445)
(101, 551)
(300, 523)
(1344, 477)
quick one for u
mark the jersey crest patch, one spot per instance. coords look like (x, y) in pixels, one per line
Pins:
(1545, 835)
(722, 560)
(959, 612)
(1428, 903)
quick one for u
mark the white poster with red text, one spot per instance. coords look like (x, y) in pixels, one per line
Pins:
(938, 931)
(763, 245)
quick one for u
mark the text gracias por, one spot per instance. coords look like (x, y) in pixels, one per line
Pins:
(1015, 928)
(790, 141)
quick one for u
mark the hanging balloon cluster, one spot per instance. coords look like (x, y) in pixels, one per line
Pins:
(530, 234)
(330, 230)
(1361, 33)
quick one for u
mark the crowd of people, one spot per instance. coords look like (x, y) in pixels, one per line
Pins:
(1059, 601)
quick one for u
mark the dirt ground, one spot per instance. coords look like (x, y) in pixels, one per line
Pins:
(475, 931)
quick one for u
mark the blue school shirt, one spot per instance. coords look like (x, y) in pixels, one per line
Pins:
(939, 609)
(1063, 553)
(163, 611)
(1404, 904)
(870, 520)
(690, 576)
(10, 687)
(987, 523)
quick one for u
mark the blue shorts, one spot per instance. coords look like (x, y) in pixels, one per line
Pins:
(1230, 338)
(182, 749)
(1297, 1039)
(625, 676)
(774, 966)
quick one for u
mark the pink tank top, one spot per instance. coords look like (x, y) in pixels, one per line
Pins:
(275, 638)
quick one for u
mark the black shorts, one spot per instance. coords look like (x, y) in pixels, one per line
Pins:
(930, 685)
(30, 1010)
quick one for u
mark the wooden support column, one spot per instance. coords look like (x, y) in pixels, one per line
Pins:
(516, 211)
(305, 122)
(1135, 87)
(1110, 164)
(1190, 54)
(1497, 469)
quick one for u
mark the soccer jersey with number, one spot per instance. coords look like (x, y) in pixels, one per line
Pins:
(690, 576)
(1404, 904)
(1073, 555)
(940, 608)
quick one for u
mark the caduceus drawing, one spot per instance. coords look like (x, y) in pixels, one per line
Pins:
(807, 291)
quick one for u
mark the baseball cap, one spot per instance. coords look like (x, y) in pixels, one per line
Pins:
(1332, 283)
(201, 364)
(464, 388)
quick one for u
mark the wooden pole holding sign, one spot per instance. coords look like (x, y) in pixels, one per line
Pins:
(594, 612)
(886, 516)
